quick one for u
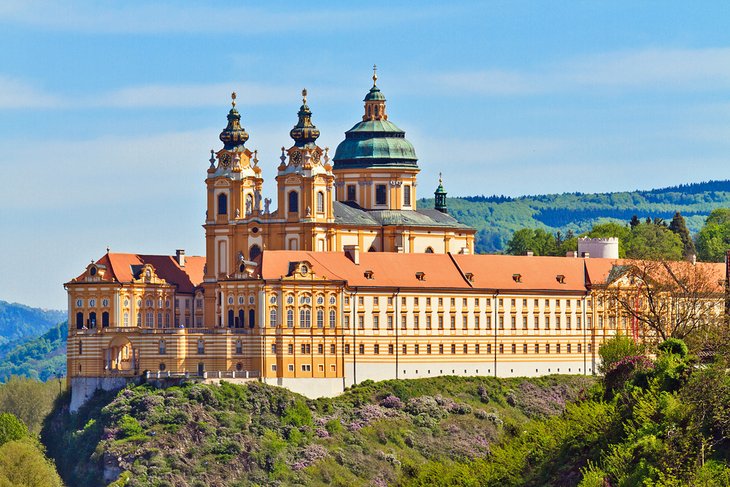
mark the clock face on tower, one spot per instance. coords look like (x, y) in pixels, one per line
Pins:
(296, 157)
(226, 160)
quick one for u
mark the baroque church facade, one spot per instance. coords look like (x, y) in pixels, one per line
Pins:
(346, 280)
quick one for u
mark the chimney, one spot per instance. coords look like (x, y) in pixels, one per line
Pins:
(180, 257)
(352, 252)
(571, 253)
(585, 255)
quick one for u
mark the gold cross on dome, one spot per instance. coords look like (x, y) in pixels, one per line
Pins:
(233, 99)
(375, 74)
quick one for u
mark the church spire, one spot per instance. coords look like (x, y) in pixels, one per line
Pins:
(375, 101)
(440, 197)
(233, 136)
(304, 132)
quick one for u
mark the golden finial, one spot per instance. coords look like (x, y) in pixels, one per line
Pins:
(233, 99)
(375, 74)
(440, 181)
(304, 96)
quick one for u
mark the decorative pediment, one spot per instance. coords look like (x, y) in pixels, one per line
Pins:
(302, 271)
(94, 272)
(146, 274)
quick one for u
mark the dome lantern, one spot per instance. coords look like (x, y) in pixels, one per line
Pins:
(304, 132)
(233, 136)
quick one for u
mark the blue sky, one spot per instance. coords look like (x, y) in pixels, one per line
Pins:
(108, 110)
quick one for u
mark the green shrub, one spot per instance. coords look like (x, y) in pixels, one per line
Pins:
(674, 346)
(11, 428)
(129, 426)
(615, 350)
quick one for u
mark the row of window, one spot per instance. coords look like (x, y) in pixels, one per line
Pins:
(418, 301)
(477, 349)
(305, 318)
(415, 322)
(381, 194)
(92, 303)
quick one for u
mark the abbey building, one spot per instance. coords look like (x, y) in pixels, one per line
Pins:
(344, 278)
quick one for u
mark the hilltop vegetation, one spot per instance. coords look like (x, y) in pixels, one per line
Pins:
(42, 358)
(19, 322)
(496, 218)
(375, 434)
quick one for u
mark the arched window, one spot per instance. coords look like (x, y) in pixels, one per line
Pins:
(230, 318)
(249, 204)
(254, 252)
(272, 318)
(320, 202)
(429, 250)
(305, 318)
(79, 320)
(251, 318)
(222, 204)
(105, 319)
(320, 318)
(293, 202)
(92, 319)
(241, 319)
(333, 318)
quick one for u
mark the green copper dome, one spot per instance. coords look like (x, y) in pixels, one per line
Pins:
(375, 142)
(304, 132)
(233, 136)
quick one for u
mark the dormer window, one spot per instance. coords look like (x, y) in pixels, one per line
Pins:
(560, 278)
(469, 276)
(369, 275)
(421, 276)
(517, 277)
(92, 271)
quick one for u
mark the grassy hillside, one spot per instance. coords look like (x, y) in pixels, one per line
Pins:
(661, 421)
(497, 217)
(39, 358)
(19, 322)
(374, 434)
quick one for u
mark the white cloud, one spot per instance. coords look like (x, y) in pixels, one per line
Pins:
(16, 93)
(657, 69)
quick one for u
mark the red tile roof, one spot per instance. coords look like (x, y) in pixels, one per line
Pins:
(121, 267)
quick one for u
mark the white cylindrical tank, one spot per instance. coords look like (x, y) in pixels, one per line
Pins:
(606, 248)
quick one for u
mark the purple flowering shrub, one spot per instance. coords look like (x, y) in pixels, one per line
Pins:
(628, 368)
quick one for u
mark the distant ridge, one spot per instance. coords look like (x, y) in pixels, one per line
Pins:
(19, 322)
(497, 217)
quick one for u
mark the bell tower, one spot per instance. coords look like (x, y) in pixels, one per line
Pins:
(234, 185)
(305, 186)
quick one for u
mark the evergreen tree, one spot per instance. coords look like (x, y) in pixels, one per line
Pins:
(634, 221)
(679, 227)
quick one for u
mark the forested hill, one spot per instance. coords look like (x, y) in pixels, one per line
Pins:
(40, 358)
(19, 322)
(497, 217)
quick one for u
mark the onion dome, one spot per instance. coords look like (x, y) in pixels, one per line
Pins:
(233, 136)
(304, 132)
(440, 198)
(375, 142)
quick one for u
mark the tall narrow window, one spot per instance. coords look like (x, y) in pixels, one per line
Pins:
(333, 319)
(79, 320)
(351, 192)
(293, 202)
(290, 318)
(407, 195)
(320, 202)
(320, 318)
(222, 204)
(305, 318)
(272, 318)
(380, 194)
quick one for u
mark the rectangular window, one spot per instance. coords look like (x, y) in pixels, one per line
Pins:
(547, 322)
(579, 348)
(381, 196)
(403, 322)
(390, 349)
(557, 322)
(501, 348)
(514, 348)
(390, 301)
(537, 348)
(453, 348)
(568, 323)
(428, 301)
(376, 322)
(524, 322)
(428, 349)
(347, 349)
(567, 348)
(376, 349)
(476, 322)
(291, 367)
(453, 302)
(405, 349)
(441, 348)
(590, 347)
(557, 348)
(415, 349)
(360, 301)
(406, 195)
(578, 322)
(351, 192)
(465, 349)
(290, 349)
(489, 348)
(441, 322)
(589, 322)
(320, 348)
(536, 322)
(332, 349)
(239, 347)
(403, 302)
(428, 322)
(376, 301)
(163, 347)
(347, 322)
(501, 322)
(360, 322)
(453, 322)
(273, 348)
(476, 349)
(489, 322)
(306, 368)
(390, 322)
(547, 348)
(464, 322)
(524, 348)
(415, 322)
(513, 322)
